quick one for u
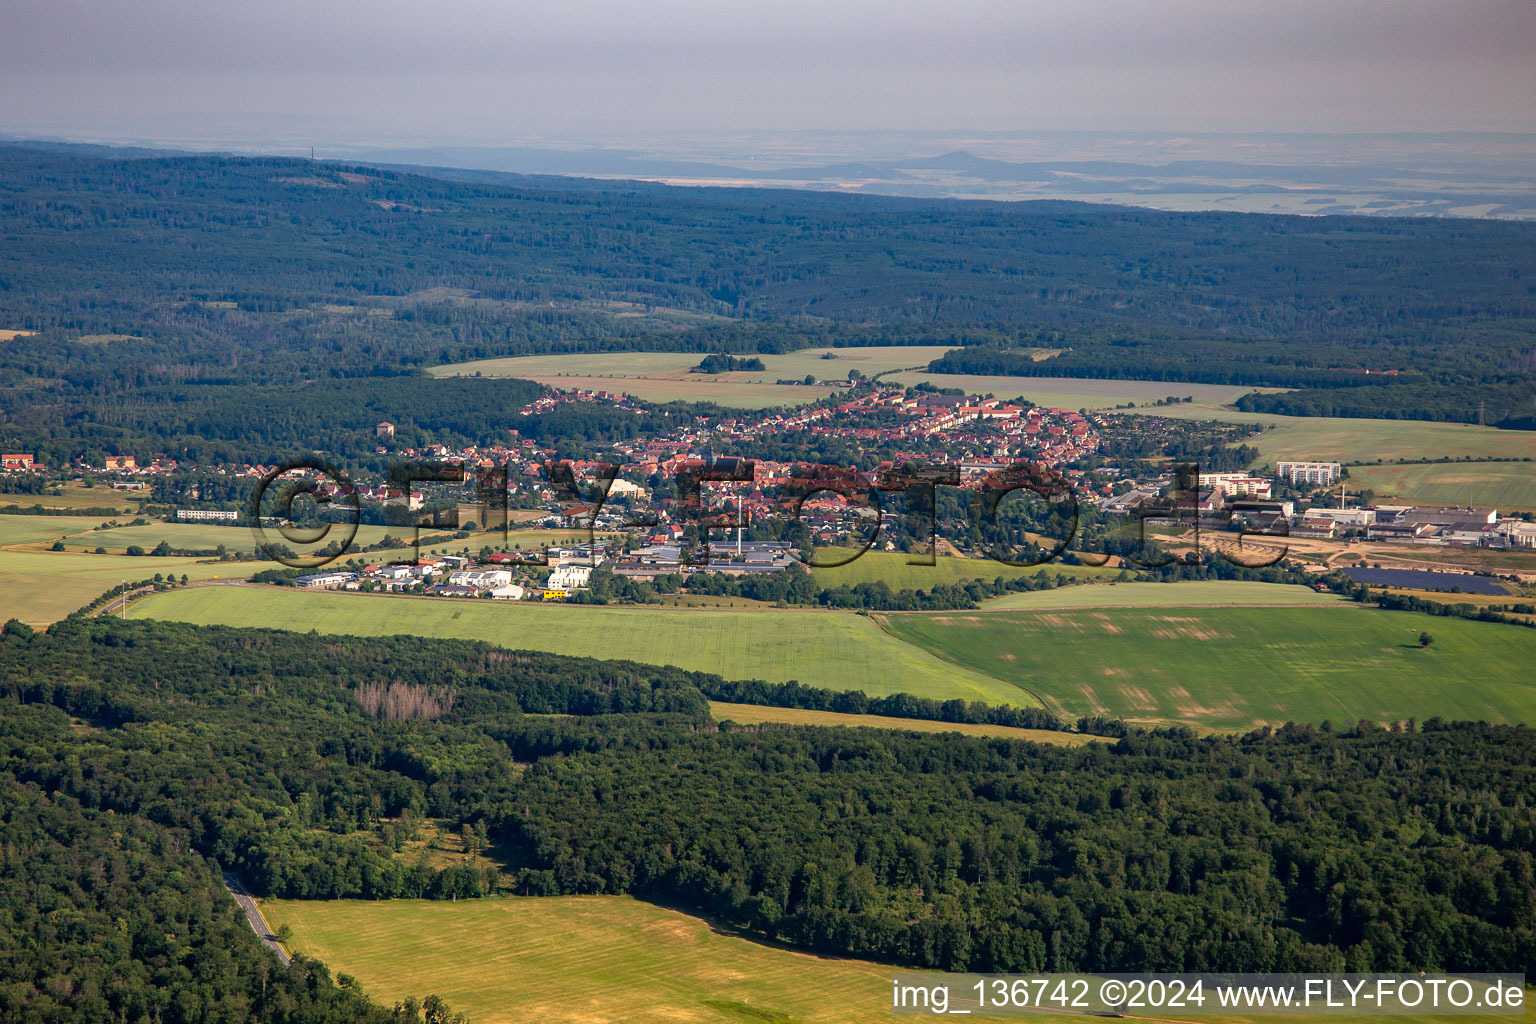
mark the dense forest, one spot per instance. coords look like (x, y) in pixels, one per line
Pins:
(158, 288)
(1455, 376)
(276, 754)
(113, 917)
(92, 239)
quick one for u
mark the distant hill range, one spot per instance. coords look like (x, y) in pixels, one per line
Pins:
(1463, 175)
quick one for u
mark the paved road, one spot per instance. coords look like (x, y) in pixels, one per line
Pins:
(116, 607)
(253, 915)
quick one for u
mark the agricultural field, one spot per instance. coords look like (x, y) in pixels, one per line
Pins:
(1141, 651)
(1509, 486)
(1475, 600)
(1079, 392)
(76, 496)
(868, 360)
(530, 540)
(45, 530)
(1361, 440)
(699, 387)
(1335, 439)
(837, 650)
(1184, 594)
(86, 533)
(1237, 668)
(603, 960)
(1349, 440)
(39, 587)
(666, 376)
(206, 536)
(891, 568)
(577, 959)
(755, 714)
(201, 537)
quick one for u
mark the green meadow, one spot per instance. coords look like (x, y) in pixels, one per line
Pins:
(39, 587)
(1212, 655)
(666, 376)
(1333, 439)
(1240, 667)
(757, 714)
(76, 496)
(1502, 485)
(16, 530)
(206, 537)
(893, 568)
(868, 360)
(1350, 440)
(1078, 392)
(607, 960)
(1145, 594)
(837, 650)
(578, 960)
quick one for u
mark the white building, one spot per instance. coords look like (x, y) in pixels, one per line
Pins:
(507, 592)
(206, 515)
(325, 580)
(1345, 516)
(570, 577)
(484, 579)
(412, 501)
(621, 488)
(1236, 484)
(1318, 474)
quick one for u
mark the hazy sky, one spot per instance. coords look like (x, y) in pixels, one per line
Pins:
(495, 72)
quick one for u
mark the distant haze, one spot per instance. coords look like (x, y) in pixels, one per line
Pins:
(392, 74)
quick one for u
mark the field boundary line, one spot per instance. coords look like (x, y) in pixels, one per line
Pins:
(879, 621)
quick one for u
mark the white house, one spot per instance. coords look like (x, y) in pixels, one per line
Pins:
(570, 577)
(482, 578)
(325, 580)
